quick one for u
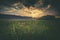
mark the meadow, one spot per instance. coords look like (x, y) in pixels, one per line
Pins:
(30, 30)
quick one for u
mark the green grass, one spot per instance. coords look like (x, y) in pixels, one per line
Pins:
(30, 30)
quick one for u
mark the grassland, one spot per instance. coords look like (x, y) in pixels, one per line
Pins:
(30, 30)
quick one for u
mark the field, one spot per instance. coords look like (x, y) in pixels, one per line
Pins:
(30, 30)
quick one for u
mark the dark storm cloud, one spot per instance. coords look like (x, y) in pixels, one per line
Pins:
(25, 2)
(54, 3)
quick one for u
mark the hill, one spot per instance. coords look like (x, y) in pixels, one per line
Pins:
(48, 17)
(4, 16)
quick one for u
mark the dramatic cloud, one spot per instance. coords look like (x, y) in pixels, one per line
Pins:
(34, 12)
(30, 8)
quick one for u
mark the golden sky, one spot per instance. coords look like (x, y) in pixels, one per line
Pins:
(29, 12)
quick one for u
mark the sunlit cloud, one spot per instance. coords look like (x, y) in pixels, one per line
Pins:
(33, 12)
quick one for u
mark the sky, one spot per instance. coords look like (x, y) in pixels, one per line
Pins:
(16, 7)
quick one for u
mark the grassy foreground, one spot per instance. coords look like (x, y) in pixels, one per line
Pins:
(30, 30)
